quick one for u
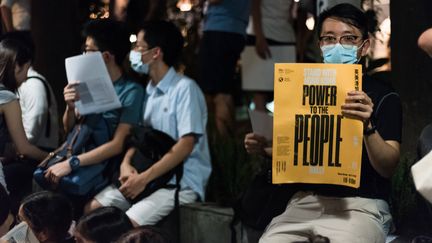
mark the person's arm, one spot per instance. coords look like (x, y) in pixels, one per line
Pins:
(101, 153)
(425, 41)
(134, 185)
(6, 15)
(33, 97)
(12, 114)
(261, 45)
(383, 154)
(70, 96)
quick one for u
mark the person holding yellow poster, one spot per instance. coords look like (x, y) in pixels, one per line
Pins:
(345, 213)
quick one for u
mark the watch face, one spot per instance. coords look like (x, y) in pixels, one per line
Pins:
(74, 162)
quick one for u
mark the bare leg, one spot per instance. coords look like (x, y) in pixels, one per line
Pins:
(224, 113)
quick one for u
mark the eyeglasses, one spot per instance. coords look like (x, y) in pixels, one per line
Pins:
(141, 49)
(346, 41)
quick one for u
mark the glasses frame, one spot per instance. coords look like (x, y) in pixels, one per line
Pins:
(342, 40)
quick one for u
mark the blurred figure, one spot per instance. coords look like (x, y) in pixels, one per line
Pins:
(425, 41)
(48, 215)
(271, 25)
(37, 101)
(102, 225)
(15, 60)
(15, 14)
(222, 42)
(144, 234)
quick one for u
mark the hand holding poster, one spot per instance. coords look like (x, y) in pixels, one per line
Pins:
(313, 142)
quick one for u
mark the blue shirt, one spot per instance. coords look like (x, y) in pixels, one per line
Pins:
(228, 16)
(176, 106)
(131, 96)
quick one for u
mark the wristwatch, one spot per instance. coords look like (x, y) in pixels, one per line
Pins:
(370, 130)
(74, 162)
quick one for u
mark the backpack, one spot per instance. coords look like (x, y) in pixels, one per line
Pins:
(90, 132)
(151, 145)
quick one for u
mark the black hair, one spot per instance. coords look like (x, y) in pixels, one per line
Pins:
(12, 52)
(23, 36)
(348, 14)
(145, 234)
(105, 224)
(5, 208)
(109, 35)
(166, 36)
(48, 211)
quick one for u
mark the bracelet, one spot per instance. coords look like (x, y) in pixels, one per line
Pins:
(368, 131)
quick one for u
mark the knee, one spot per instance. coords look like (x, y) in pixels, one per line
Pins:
(92, 205)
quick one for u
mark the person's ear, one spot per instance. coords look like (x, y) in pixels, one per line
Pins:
(157, 52)
(365, 48)
(107, 56)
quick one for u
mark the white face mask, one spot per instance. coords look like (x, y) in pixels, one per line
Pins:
(136, 63)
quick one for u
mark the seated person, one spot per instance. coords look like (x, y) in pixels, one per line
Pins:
(102, 225)
(112, 40)
(48, 215)
(15, 60)
(144, 234)
(7, 220)
(174, 105)
(340, 213)
(37, 101)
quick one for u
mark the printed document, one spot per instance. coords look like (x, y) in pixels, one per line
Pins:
(95, 88)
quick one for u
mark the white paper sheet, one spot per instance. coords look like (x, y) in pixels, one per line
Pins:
(95, 87)
(262, 124)
(422, 175)
(257, 73)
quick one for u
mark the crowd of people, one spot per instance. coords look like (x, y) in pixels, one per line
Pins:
(177, 105)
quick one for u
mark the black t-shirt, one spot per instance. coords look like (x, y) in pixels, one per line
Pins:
(387, 116)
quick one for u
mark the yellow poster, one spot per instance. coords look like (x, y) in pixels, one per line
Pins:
(312, 141)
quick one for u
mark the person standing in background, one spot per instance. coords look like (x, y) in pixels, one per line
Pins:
(15, 14)
(223, 40)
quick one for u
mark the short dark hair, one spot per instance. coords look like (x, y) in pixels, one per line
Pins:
(348, 14)
(12, 52)
(5, 208)
(166, 36)
(145, 234)
(105, 224)
(48, 211)
(25, 37)
(109, 35)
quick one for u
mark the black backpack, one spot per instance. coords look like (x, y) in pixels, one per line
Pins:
(151, 145)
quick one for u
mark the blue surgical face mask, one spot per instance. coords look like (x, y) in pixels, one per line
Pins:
(136, 63)
(340, 54)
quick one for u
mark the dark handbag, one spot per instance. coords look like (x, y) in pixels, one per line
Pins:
(262, 200)
(90, 132)
(151, 145)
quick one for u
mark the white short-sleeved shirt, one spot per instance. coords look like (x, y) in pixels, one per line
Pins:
(36, 113)
(274, 20)
(176, 106)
